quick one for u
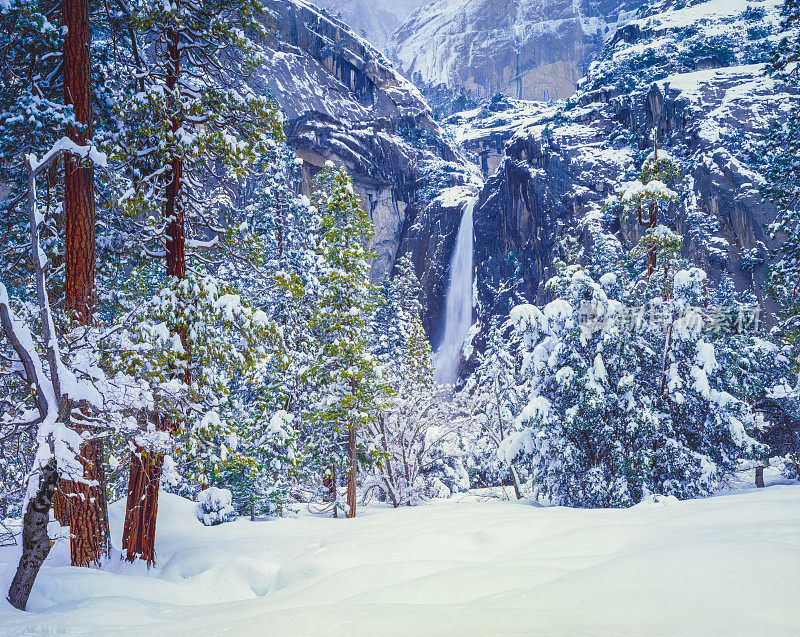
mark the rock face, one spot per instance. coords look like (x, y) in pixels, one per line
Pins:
(483, 131)
(526, 49)
(343, 102)
(374, 20)
(693, 77)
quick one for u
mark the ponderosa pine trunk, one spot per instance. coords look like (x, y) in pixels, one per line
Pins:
(139, 531)
(141, 512)
(351, 476)
(77, 504)
(35, 540)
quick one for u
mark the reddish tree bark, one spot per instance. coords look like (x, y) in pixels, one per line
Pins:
(79, 253)
(77, 505)
(139, 532)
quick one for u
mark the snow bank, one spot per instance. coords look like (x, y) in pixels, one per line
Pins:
(725, 565)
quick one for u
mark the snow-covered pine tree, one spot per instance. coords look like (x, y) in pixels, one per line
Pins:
(272, 258)
(188, 128)
(646, 197)
(32, 117)
(346, 377)
(81, 505)
(624, 401)
(783, 177)
(46, 92)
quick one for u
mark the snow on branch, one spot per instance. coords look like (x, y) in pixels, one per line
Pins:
(66, 145)
(22, 341)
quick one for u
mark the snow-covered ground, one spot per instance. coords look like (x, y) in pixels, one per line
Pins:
(728, 565)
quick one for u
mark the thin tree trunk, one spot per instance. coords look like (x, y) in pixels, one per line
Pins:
(653, 222)
(351, 476)
(389, 473)
(78, 503)
(329, 488)
(515, 478)
(760, 476)
(101, 478)
(651, 252)
(35, 540)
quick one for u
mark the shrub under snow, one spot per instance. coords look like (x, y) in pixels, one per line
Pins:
(214, 506)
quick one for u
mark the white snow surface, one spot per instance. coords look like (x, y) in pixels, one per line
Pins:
(464, 566)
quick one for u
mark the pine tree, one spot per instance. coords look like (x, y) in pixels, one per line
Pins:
(344, 372)
(32, 114)
(649, 195)
(625, 401)
(189, 130)
(80, 502)
(782, 177)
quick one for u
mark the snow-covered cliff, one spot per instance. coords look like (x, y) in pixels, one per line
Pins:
(375, 20)
(526, 49)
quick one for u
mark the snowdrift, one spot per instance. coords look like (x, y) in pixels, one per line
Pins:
(725, 565)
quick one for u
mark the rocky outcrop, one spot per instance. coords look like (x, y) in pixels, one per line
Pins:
(343, 102)
(483, 131)
(698, 86)
(526, 49)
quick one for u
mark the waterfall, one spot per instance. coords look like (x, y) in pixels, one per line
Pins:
(458, 302)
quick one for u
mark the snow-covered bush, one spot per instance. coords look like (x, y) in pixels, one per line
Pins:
(492, 399)
(214, 506)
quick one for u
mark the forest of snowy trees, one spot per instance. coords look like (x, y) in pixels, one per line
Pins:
(180, 311)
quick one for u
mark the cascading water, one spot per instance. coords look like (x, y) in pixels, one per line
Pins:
(458, 303)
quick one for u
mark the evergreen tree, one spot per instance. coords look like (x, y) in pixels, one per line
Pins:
(345, 374)
(188, 128)
(80, 502)
(783, 177)
(648, 196)
(624, 401)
